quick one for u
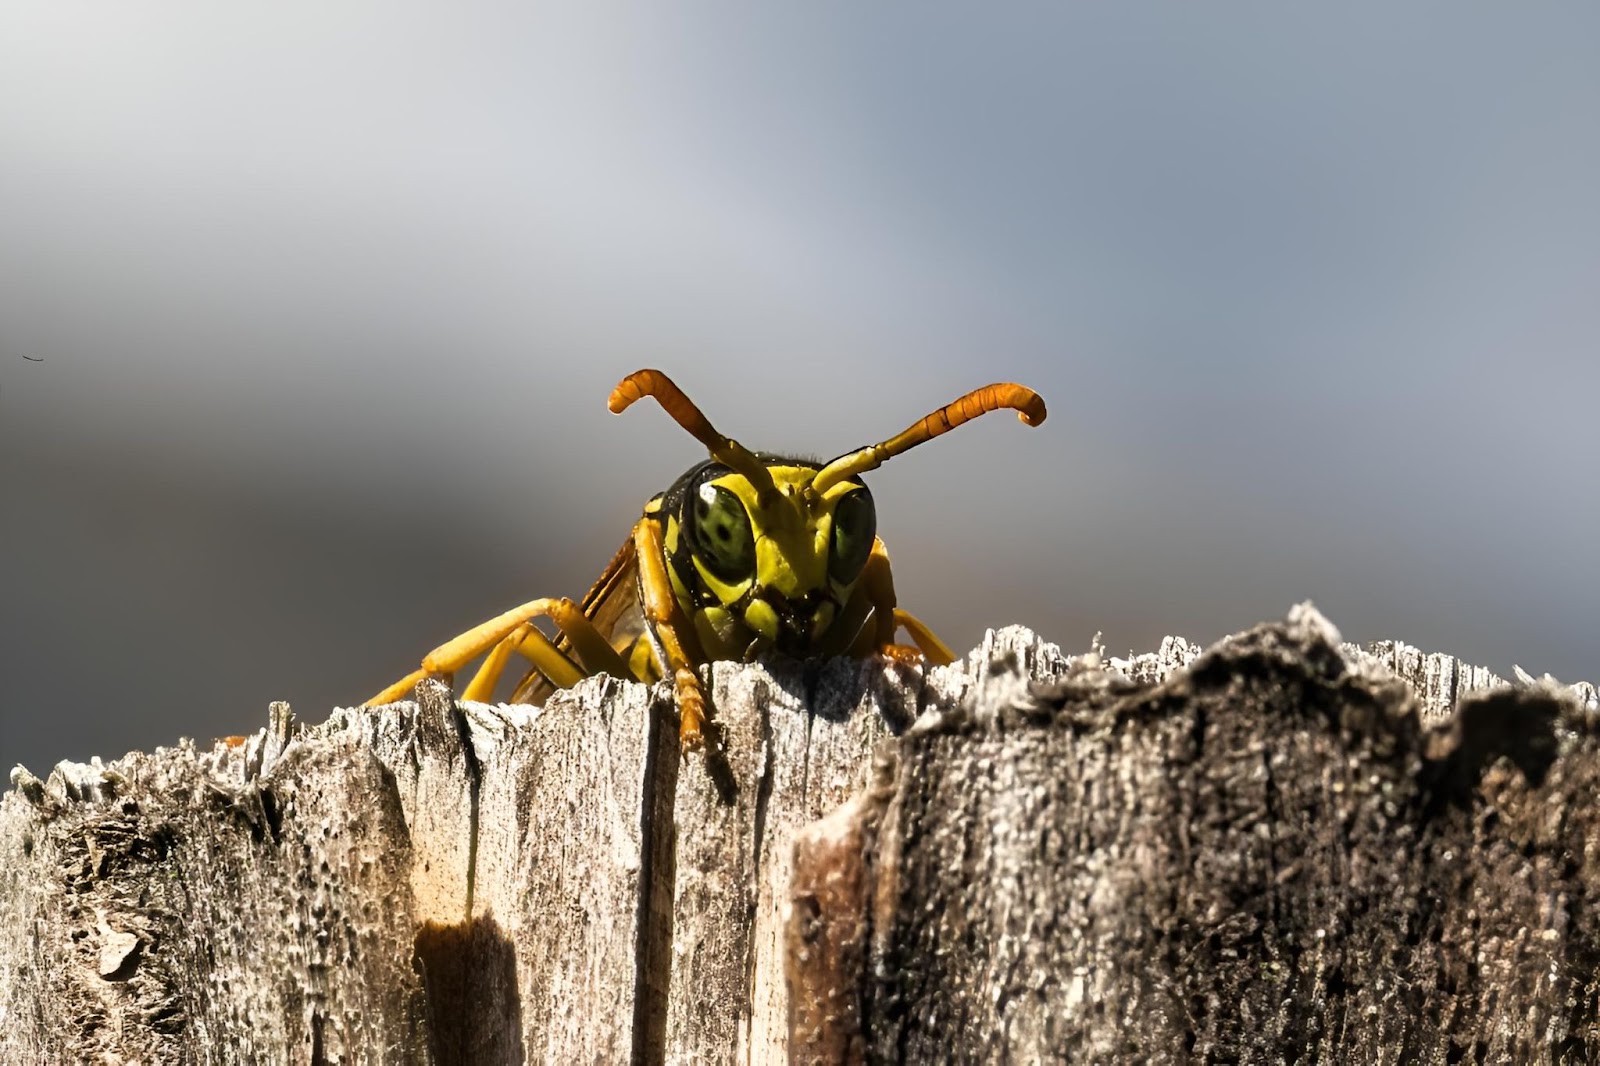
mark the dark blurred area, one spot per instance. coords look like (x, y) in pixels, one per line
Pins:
(307, 324)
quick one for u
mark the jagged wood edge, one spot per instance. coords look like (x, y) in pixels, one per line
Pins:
(427, 764)
(932, 917)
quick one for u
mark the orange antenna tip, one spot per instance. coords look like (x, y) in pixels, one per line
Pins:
(725, 450)
(1032, 413)
(636, 386)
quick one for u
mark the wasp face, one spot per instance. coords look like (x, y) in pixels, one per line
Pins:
(763, 552)
(767, 569)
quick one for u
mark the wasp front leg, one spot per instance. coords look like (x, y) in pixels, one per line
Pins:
(513, 632)
(875, 593)
(661, 610)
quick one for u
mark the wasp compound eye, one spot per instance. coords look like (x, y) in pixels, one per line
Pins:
(855, 526)
(719, 529)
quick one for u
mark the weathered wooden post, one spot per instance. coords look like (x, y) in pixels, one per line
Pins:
(1269, 853)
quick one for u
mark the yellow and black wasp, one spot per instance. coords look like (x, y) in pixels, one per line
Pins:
(745, 553)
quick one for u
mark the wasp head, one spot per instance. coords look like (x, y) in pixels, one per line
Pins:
(765, 552)
(767, 564)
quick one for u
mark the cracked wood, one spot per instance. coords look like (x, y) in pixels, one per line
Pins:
(440, 883)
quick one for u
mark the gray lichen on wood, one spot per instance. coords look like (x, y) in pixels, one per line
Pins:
(466, 883)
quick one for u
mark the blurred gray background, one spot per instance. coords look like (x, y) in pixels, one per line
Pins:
(308, 314)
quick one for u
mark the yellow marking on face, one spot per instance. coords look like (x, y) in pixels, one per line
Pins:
(760, 616)
(721, 635)
(792, 532)
(720, 589)
(722, 623)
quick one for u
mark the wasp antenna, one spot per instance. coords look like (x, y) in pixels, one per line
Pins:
(1028, 404)
(725, 450)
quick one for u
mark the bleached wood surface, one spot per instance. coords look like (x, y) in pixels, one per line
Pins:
(1266, 857)
(440, 883)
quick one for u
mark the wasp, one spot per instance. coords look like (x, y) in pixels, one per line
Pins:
(746, 553)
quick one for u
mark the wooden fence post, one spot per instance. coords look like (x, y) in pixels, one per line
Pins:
(1138, 860)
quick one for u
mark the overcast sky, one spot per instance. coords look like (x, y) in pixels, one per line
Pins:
(308, 315)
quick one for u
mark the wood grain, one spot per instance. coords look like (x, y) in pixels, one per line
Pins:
(1145, 850)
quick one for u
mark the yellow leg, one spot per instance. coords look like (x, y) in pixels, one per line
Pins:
(457, 652)
(877, 589)
(661, 609)
(593, 652)
(549, 663)
(933, 649)
(397, 691)
(481, 688)
(877, 582)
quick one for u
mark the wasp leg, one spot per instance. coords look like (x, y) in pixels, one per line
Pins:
(877, 638)
(852, 625)
(399, 690)
(877, 588)
(592, 650)
(526, 640)
(661, 610)
(877, 581)
(550, 664)
(934, 650)
(481, 687)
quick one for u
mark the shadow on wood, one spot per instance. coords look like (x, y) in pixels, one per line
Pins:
(469, 976)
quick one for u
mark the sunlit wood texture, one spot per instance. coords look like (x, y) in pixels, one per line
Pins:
(1266, 858)
(438, 883)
